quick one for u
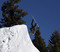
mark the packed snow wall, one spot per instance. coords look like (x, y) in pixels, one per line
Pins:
(16, 39)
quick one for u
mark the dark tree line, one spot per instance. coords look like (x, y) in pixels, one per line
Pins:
(12, 15)
(39, 41)
(54, 42)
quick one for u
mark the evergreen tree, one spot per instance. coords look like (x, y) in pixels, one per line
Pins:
(54, 42)
(39, 41)
(12, 15)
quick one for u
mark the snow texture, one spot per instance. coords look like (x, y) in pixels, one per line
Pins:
(16, 39)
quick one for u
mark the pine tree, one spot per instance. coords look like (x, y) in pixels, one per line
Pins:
(39, 41)
(12, 15)
(54, 42)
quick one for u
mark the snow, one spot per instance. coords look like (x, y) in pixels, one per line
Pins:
(16, 39)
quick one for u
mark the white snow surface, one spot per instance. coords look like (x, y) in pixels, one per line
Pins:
(16, 39)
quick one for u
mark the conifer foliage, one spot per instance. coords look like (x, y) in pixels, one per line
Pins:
(54, 42)
(12, 15)
(39, 41)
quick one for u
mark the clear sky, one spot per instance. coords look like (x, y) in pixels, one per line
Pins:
(46, 13)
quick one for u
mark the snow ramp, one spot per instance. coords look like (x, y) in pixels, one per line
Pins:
(16, 39)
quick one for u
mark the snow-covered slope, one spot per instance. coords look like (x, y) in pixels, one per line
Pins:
(16, 39)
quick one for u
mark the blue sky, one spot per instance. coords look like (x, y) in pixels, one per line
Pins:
(46, 13)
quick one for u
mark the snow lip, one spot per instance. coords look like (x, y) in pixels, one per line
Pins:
(14, 26)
